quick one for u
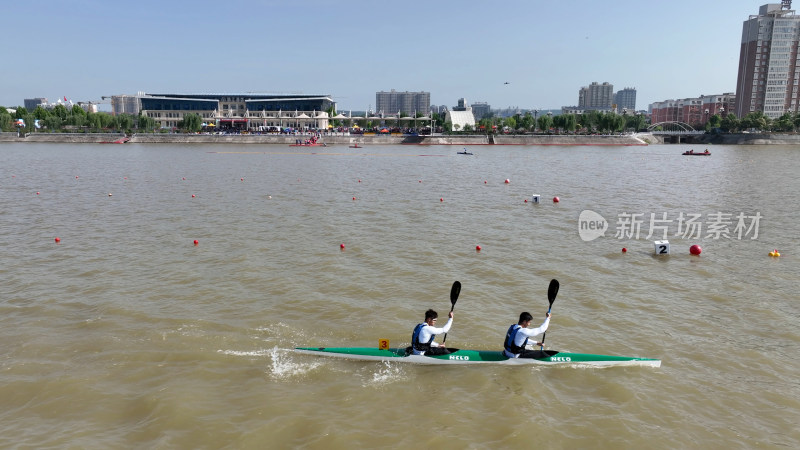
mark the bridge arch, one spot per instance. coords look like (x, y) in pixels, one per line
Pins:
(672, 126)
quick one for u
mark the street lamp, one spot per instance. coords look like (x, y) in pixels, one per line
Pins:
(535, 123)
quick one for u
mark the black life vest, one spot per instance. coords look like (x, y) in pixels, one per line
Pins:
(511, 335)
(420, 346)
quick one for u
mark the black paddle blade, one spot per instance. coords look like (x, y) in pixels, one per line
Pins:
(454, 291)
(552, 291)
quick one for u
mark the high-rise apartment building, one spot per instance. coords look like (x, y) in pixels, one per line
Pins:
(625, 100)
(405, 102)
(32, 103)
(481, 110)
(769, 62)
(596, 96)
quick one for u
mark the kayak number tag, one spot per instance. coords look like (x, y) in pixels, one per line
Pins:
(383, 344)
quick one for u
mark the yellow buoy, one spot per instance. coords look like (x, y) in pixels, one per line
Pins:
(774, 253)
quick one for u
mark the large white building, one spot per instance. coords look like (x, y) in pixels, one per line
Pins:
(460, 116)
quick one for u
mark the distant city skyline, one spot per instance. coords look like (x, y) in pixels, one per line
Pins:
(531, 55)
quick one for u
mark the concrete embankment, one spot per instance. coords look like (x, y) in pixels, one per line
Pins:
(465, 140)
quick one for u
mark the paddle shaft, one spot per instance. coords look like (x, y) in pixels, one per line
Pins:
(552, 291)
(454, 291)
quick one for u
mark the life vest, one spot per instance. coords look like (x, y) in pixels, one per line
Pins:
(511, 336)
(420, 346)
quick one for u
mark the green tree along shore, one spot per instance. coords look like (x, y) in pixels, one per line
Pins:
(75, 119)
(63, 119)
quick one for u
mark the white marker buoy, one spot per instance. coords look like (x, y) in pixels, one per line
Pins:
(661, 247)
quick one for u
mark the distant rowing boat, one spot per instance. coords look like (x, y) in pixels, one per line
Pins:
(692, 153)
(118, 141)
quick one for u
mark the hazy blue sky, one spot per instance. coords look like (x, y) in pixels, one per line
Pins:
(547, 50)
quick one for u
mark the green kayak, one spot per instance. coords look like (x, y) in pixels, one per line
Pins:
(458, 356)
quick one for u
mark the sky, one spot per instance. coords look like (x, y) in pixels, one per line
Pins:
(545, 50)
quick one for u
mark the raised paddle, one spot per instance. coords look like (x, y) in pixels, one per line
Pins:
(552, 291)
(454, 291)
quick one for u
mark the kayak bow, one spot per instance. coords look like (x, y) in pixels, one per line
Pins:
(458, 356)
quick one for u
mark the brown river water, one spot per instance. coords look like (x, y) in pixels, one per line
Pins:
(127, 335)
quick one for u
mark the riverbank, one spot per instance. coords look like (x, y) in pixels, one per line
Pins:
(335, 139)
(463, 140)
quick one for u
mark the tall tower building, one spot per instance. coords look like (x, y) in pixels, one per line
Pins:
(405, 102)
(625, 99)
(769, 63)
(596, 96)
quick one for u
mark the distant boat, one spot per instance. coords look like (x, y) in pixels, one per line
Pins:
(356, 146)
(692, 153)
(317, 144)
(465, 152)
(118, 141)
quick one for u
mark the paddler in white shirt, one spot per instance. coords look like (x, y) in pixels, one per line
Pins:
(425, 332)
(518, 334)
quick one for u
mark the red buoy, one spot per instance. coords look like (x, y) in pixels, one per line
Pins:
(526, 200)
(477, 248)
(341, 246)
(58, 239)
(441, 199)
(624, 250)
(695, 249)
(556, 200)
(196, 242)
(192, 195)
(508, 181)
